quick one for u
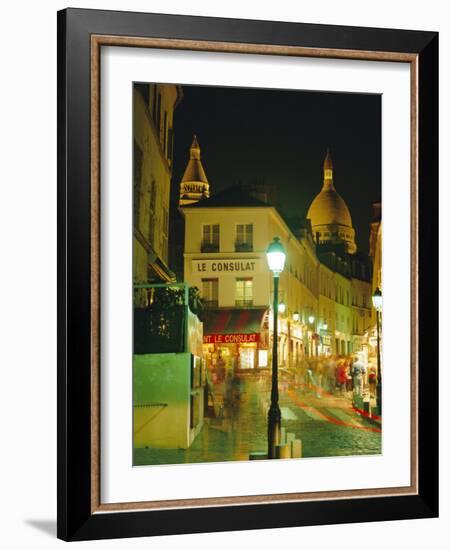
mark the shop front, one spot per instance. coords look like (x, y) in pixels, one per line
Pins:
(325, 343)
(234, 341)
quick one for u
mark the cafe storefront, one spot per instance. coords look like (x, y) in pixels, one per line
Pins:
(234, 340)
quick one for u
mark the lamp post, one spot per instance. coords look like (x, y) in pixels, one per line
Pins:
(377, 300)
(276, 257)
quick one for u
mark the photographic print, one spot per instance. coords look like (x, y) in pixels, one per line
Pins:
(224, 294)
(257, 284)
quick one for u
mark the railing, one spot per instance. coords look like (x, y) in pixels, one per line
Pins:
(210, 303)
(161, 325)
(244, 303)
(242, 246)
(209, 247)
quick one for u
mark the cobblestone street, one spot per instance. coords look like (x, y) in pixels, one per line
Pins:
(326, 424)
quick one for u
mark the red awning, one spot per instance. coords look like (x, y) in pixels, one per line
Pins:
(233, 321)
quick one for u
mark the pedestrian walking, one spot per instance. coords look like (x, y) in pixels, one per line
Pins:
(348, 369)
(319, 377)
(372, 380)
(331, 375)
(341, 376)
(358, 372)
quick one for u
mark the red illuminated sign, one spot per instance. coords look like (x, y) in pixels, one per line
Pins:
(231, 338)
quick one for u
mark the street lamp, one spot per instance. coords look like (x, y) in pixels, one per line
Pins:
(311, 320)
(296, 316)
(281, 307)
(276, 257)
(377, 301)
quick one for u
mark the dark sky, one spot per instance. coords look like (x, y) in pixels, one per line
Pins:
(280, 137)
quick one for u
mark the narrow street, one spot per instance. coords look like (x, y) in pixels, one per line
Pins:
(326, 424)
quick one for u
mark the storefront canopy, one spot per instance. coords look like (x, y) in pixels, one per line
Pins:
(233, 321)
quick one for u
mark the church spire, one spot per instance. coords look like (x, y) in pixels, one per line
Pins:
(195, 149)
(194, 184)
(328, 172)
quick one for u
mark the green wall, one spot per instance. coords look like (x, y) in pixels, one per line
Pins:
(161, 397)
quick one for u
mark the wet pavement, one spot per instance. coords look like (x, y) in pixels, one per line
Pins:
(326, 424)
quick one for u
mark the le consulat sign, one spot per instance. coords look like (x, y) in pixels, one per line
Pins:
(241, 266)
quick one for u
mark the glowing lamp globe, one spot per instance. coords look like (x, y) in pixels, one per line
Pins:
(281, 307)
(296, 316)
(377, 299)
(276, 256)
(311, 319)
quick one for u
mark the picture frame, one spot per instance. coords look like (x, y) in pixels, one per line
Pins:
(81, 36)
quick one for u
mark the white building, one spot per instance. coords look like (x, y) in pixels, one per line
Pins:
(226, 239)
(225, 244)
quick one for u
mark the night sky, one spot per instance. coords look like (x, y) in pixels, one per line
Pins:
(280, 137)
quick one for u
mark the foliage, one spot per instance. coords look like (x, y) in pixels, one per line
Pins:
(160, 326)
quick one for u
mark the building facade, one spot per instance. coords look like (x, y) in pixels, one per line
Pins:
(325, 300)
(168, 379)
(154, 105)
(375, 251)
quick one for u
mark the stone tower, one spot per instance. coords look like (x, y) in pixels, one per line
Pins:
(194, 184)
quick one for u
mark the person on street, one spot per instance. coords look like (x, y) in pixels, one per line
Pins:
(331, 374)
(348, 368)
(372, 380)
(341, 376)
(358, 372)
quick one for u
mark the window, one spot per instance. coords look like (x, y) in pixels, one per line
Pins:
(170, 145)
(152, 212)
(158, 115)
(165, 227)
(210, 242)
(244, 292)
(137, 177)
(164, 135)
(244, 237)
(165, 233)
(210, 292)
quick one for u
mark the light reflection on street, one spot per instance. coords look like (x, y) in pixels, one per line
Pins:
(327, 426)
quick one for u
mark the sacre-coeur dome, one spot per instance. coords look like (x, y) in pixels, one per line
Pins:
(329, 215)
(329, 208)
